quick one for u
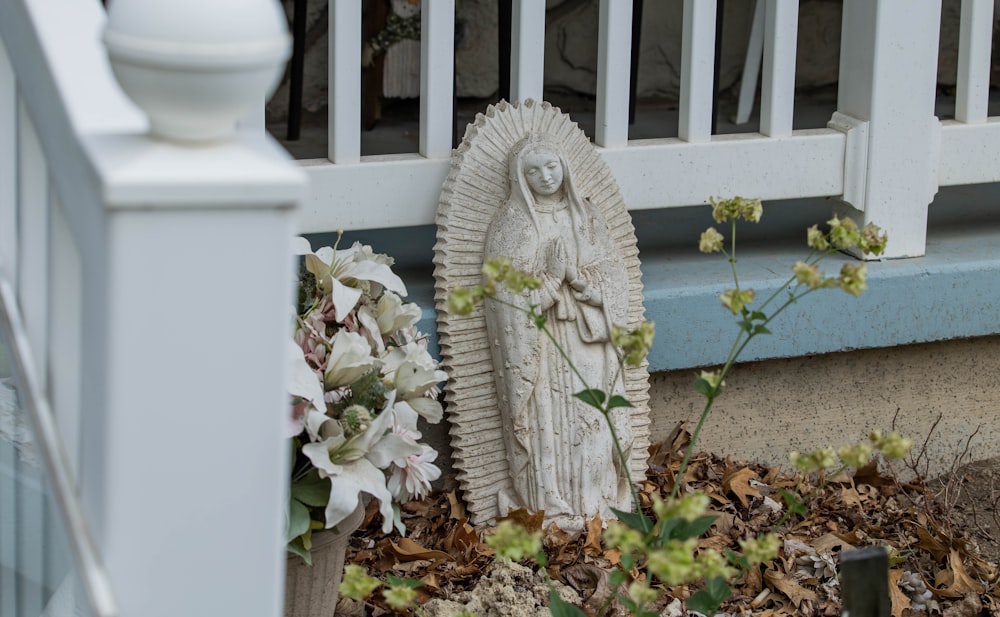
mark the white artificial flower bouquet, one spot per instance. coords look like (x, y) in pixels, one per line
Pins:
(360, 377)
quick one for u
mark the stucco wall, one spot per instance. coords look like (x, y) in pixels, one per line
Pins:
(770, 408)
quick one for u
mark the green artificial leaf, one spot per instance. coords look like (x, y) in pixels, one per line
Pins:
(592, 397)
(312, 490)
(298, 519)
(619, 401)
(703, 387)
(794, 503)
(295, 546)
(560, 608)
(635, 520)
(708, 600)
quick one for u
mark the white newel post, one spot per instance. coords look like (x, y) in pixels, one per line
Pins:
(190, 468)
(888, 75)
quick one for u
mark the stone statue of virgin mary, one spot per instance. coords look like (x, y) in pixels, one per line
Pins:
(560, 451)
(527, 184)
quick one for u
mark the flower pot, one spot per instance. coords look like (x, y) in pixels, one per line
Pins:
(312, 591)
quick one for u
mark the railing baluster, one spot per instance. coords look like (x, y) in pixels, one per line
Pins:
(8, 169)
(65, 332)
(614, 61)
(33, 223)
(777, 97)
(974, 47)
(344, 104)
(697, 70)
(437, 62)
(527, 62)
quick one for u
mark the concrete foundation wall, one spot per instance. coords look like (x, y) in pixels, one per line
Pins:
(772, 407)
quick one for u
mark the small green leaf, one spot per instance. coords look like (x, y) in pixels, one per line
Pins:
(298, 519)
(540, 321)
(708, 600)
(560, 608)
(634, 520)
(616, 578)
(760, 329)
(592, 397)
(395, 581)
(745, 325)
(703, 387)
(692, 529)
(619, 401)
(794, 503)
(758, 316)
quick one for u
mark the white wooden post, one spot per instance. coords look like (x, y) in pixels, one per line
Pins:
(437, 64)
(697, 71)
(614, 55)
(527, 50)
(191, 471)
(888, 72)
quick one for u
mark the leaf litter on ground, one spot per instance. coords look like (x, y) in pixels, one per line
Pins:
(449, 556)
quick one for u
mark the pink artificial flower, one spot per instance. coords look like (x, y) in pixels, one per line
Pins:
(412, 476)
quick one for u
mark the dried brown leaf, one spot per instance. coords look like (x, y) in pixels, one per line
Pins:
(532, 521)
(791, 589)
(738, 483)
(592, 546)
(408, 550)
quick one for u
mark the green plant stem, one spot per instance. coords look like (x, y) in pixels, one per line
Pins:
(739, 344)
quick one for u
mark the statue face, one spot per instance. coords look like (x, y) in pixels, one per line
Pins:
(543, 171)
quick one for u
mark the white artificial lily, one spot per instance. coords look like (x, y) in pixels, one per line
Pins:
(393, 315)
(414, 370)
(354, 466)
(304, 384)
(333, 269)
(350, 359)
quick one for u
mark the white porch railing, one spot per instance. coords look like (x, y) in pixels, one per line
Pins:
(885, 153)
(153, 281)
